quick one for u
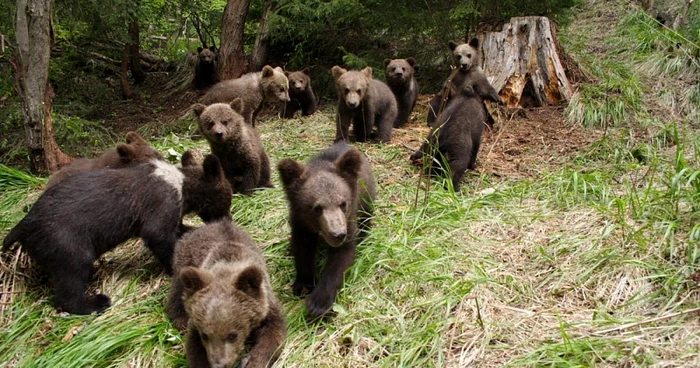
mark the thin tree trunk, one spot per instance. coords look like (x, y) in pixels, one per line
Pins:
(259, 56)
(34, 39)
(134, 57)
(232, 55)
(124, 80)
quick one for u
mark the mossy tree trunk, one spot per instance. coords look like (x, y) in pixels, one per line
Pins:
(34, 39)
(232, 60)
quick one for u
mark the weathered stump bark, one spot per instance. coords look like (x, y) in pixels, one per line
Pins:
(523, 65)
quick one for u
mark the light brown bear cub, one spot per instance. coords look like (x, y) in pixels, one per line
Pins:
(469, 78)
(236, 144)
(330, 201)
(135, 151)
(221, 294)
(401, 80)
(363, 102)
(254, 89)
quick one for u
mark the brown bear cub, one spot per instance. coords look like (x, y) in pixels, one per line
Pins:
(301, 95)
(91, 212)
(221, 294)
(135, 151)
(455, 138)
(206, 69)
(236, 144)
(364, 102)
(469, 77)
(255, 89)
(330, 199)
(399, 76)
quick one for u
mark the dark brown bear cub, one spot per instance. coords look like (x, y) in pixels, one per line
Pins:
(469, 78)
(301, 95)
(221, 294)
(363, 102)
(399, 77)
(236, 144)
(135, 151)
(206, 69)
(89, 213)
(327, 199)
(455, 138)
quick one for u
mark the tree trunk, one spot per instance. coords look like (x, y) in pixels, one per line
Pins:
(232, 61)
(523, 63)
(34, 39)
(134, 53)
(124, 80)
(259, 56)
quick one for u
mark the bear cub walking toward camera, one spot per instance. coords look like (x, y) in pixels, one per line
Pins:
(330, 199)
(301, 95)
(135, 151)
(236, 144)
(89, 213)
(469, 78)
(221, 294)
(206, 69)
(363, 102)
(254, 89)
(399, 77)
(455, 138)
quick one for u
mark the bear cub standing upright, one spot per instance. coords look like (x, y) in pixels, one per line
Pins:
(206, 69)
(135, 151)
(455, 138)
(91, 212)
(330, 199)
(363, 102)
(470, 78)
(399, 77)
(301, 95)
(221, 294)
(236, 144)
(254, 89)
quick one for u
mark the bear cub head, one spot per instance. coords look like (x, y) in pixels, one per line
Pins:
(400, 71)
(206, 56)
(221, 122)
(352, 85)
(299, 81)
(136, 150)
(224, 306)
(325, 198)
(465, 56)
(208, 193)
(275, 84)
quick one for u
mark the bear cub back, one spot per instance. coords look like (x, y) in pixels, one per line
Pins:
(301, 95)
(400, 78)
(221, 294)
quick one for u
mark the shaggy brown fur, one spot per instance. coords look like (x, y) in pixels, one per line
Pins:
(236, 144)
(221, 294)
(135, 151)
(254, 89)
(363, 102)
(327, 198)
(302, 96)
(399, 76)
(206, 70)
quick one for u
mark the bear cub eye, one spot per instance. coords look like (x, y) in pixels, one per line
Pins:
(224, 122)
(281, 89)
(210, 125)
(344, 206)
(318, 209)
(204, 337)
(469, 56)
(347, 90)
(232, 337)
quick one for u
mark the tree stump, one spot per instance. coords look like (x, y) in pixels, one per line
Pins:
(523, 65)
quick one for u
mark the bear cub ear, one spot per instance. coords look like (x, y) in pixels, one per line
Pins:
(349, 164)
(338, 72)
(212, 48)
(194, 280)
(386, 62)
(267, 71)
(187, 159)
(367, 72)
(134, 138)
(474, 43)
(306, 71)
(290, 171)
(237, 105)
(212, 168)
(250, 281)
(452, 45)
(126, 152)
(198, 108)
(199, 49)
(410, 61)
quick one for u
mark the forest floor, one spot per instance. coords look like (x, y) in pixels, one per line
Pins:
(574, 243)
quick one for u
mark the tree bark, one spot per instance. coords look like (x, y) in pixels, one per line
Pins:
(523, 63)
(134, 53)
(232, 60)
(34, 39)
(259, 56)
(124, 80)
